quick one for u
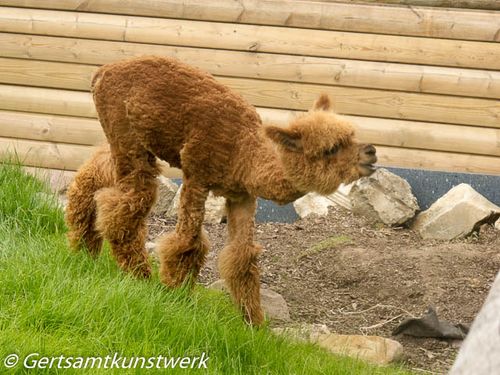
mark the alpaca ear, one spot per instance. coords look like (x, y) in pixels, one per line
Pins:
(323, 103)
(288, 139)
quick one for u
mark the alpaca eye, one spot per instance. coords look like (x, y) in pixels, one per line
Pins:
(332, 151)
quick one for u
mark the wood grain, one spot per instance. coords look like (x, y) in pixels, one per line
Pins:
(285, 40)
(343, 16)
(306, 69)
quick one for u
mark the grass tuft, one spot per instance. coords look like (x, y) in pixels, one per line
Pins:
(26, 203)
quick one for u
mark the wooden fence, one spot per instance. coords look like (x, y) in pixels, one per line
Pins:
(421, 83)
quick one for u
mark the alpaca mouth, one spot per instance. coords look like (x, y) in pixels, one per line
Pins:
(368, 168)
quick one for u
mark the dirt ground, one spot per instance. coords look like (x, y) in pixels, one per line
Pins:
(357, 279)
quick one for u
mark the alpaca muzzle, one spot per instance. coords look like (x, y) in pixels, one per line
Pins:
(367, 159)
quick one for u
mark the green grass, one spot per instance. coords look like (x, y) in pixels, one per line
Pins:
(54, 302)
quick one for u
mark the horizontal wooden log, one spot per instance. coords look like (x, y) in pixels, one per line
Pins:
(395, 133)
(410, 134)
(71, 157)
(46, 154)
(46, 74)
(401, 77)
(438, 161)
(351, 101)
(51, 128)
(416, 21)
(468, 4)
(61, 156)
(253, 38)
(42, 100)
(373, 103)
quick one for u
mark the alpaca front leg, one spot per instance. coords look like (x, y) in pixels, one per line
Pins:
(183, 252)
(238, 262)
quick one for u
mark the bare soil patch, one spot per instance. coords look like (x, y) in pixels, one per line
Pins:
(358, 279)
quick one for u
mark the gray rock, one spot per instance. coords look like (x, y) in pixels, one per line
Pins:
(166, 193)
(456, 214)
(215, 208)
(375, 349)
(384, 198)
(478, 354)
(314, 203)
(273, 304)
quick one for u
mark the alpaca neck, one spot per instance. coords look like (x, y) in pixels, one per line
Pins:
(264, 174)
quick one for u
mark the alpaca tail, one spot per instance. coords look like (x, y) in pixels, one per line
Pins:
(95, 174)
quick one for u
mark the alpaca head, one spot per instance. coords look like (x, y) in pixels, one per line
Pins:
(319, 152)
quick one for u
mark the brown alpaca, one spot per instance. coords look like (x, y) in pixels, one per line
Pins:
(159, 107)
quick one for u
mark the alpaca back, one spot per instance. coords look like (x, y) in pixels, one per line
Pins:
(173, 110)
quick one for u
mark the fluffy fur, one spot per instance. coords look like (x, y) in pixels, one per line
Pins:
(159, 107)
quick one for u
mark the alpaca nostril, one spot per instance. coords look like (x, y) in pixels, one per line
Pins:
(369, 150)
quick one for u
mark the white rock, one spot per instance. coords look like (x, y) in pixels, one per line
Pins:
(167, 190)
(497, 224)
(384, 197)
(375, 349)
(458, 213)
(314, 203)
(215, 207)
(273, 304)
(478, 354)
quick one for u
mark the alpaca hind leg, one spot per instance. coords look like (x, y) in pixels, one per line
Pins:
(238, 262)
(122, 210)
(80, 214)
(183, 252)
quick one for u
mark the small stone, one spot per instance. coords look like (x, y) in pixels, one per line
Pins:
(384, 198)
(458, 213)
(273, 304)
(167, 190)
(215, 208)
(151, 248)
(497, 224)
(375, 349)
(219, 285)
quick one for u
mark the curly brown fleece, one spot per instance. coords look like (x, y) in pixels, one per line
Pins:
(156, 107)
